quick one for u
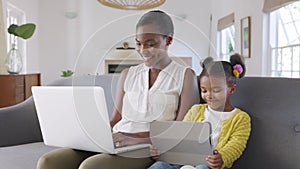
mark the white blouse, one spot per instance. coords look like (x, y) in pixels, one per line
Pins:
(142, 105)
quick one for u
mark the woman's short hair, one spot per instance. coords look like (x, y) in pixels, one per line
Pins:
(159, 18)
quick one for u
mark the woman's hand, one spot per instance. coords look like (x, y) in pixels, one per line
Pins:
(126, 139)
(154, 152)
(215, 161)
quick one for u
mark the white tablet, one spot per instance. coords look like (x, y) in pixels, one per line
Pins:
(185, 143)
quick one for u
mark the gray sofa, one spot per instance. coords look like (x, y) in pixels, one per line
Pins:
(273, 104)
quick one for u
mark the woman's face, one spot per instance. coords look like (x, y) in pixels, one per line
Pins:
(151, 44)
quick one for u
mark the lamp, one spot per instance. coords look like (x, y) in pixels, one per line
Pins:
(132, 4)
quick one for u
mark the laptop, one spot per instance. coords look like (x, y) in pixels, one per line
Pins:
(185, 143)
(76, 117)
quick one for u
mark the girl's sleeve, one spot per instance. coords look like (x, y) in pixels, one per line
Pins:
(191, 114)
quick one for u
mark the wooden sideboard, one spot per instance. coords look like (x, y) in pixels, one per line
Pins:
(16, 88)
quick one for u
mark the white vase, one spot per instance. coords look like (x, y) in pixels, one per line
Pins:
(13, 62)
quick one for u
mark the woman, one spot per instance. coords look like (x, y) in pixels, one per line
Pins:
(158, 89)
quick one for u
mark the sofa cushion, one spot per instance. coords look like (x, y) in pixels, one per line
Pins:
(23, 156)
(273, 104)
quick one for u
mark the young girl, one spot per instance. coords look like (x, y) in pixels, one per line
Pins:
(230, 126)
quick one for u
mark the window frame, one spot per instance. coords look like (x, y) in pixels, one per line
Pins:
(277, 52)
(15, 15)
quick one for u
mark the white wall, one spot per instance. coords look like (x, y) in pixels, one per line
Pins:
(80, 43)
(241, 9)
(54, 39)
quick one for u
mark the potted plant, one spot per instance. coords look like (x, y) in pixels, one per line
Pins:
(13, 62)
(67, 73)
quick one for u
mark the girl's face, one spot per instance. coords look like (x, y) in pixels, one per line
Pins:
(151, 44)
(216, 92)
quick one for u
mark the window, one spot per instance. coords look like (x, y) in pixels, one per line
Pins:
(15, 16)
(285, 41)
(227, 45)
(226, 32)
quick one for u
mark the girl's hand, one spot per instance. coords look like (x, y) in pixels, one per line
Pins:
(215, 161)
(127, 139)
(154, 152)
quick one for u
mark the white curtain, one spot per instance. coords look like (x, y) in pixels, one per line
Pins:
(225, 21)
(271, 5)
(3, 51)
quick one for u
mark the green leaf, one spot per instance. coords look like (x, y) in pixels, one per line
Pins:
(25, 31)
(231, 48)
(11, 29)
(67, 73)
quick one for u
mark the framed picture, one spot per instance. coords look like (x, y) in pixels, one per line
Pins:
(246, 37)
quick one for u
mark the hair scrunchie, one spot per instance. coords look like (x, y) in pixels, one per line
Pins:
(237, 70)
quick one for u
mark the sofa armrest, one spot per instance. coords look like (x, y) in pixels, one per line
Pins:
(19, 124)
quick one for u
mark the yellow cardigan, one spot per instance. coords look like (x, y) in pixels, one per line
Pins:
(233, 136)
